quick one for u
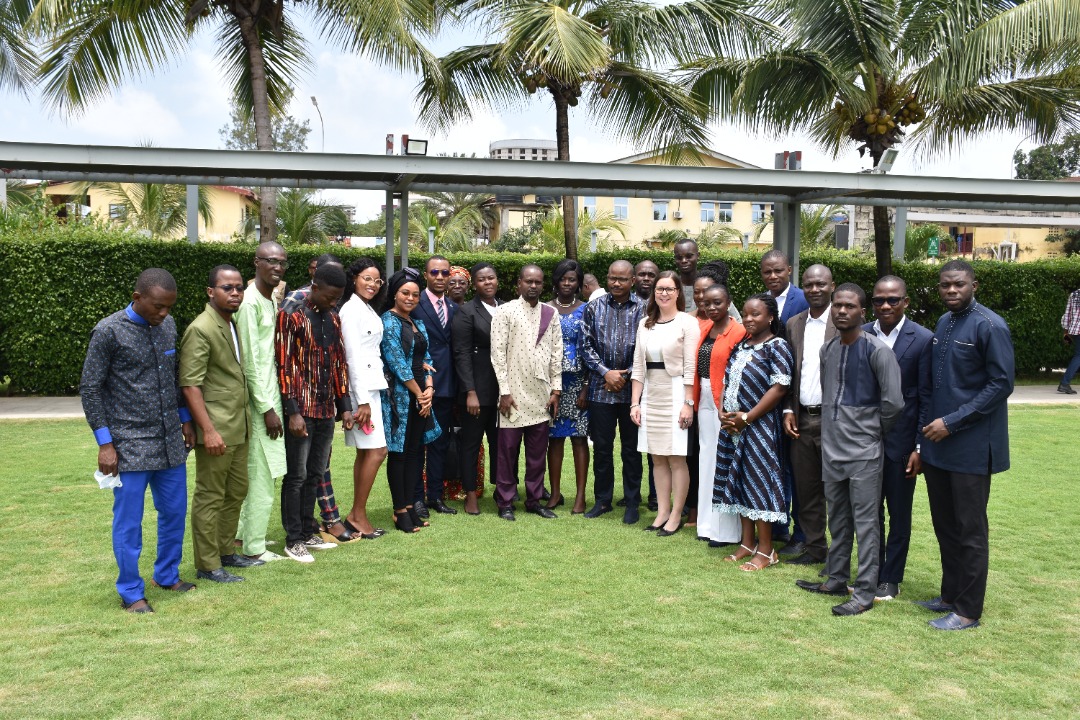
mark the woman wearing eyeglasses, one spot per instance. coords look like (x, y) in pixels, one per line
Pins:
(662, 396)
(362, 332)
(406, 411)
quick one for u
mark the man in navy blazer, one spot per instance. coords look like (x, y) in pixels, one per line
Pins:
(776, 274)
(911, 344)
(437, 310)
(967, 441)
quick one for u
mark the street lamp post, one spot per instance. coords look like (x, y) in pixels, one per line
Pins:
(1012, 171)
(322, 125)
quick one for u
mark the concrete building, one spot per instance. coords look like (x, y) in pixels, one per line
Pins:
(540, 150)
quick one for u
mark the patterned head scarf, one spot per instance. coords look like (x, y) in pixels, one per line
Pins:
(458, 271)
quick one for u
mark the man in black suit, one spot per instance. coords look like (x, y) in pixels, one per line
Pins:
(478, 390)
(967, 441)
(436, 310)
(911, 344)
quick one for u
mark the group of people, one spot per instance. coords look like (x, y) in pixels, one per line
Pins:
(762, 425)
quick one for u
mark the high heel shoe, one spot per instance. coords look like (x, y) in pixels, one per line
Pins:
(357, 533)
(664, 532)
(404, 523)
(341, 538)
(417, 521)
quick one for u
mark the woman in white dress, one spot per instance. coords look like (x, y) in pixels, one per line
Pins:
(662, 396)
(362, 331)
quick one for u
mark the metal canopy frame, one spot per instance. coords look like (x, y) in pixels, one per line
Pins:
(398, 175)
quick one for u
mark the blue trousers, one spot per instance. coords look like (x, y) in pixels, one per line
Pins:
(1074, 363)
(169, 490)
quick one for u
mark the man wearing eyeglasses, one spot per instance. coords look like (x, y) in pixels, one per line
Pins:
(437, 311)
(255, 322)
(911, 343)
(215, 387)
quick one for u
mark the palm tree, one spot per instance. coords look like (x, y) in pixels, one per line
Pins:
(448, 205)
(303, 218)
(816, 223)
(93, 45)
(159, 211)
(17, 61)
(611, 52)
(456, 233)
(552, 235)
(855, 74)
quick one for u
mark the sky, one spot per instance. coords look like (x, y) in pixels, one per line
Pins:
(186, 105)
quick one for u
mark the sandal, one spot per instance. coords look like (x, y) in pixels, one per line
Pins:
(417, 521)
(733, 557)
(404, 523)
(357, 533)
(749, 565)
(343, 537)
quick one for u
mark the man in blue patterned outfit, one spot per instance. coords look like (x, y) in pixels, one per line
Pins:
(132, 401)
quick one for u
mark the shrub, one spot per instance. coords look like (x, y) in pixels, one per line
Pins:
(59, 280)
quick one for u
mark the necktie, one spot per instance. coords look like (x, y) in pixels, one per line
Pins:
(442, 312)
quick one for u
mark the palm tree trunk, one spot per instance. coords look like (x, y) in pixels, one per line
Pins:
(882, 241)
(263, 129)
(562, 144)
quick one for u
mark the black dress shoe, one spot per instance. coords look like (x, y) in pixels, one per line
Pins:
(139, 606)
(821, 588)
(220, 575)
(851, 608)
(598, 510)
(792, 548)
(936, 605)
(240, 561)
(952, 621)
(542, 512)
(804, 559)
(440, 507)
(653, 505)
(631, 515)
(621, 503)
(507, 514)
(546, 495)
(421, 509)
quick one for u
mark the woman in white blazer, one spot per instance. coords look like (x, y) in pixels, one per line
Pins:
(362, 331)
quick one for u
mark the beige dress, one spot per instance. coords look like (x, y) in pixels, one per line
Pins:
(665, 358)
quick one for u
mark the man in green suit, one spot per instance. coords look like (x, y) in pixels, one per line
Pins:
(213, 383)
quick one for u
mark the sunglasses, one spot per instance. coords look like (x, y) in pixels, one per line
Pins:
(892, 301)
(274, 262)
(437, 273)
(230, 288)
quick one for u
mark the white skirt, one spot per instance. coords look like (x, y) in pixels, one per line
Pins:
(661, 401)
(357, 438)
(713, 525)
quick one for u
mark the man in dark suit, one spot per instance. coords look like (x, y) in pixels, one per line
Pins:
(437, 311)
(776, 274)
(967, 441)
(808, 331)
(911, 344)
(478, 390)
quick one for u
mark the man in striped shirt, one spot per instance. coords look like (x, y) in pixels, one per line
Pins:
(1070, 323)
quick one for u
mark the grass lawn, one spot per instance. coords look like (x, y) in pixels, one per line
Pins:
(479, 618)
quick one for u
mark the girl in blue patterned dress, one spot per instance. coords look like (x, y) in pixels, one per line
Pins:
(571, 419)
(749, 473)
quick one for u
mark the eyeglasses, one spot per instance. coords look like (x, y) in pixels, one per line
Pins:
(377, 282)
(230, 288)
(437, 273)
(274, 262)
(665, 291)
(892, 301)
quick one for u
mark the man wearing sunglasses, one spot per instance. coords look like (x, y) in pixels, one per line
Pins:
(215, 387)
(911, 343)
(437, 311)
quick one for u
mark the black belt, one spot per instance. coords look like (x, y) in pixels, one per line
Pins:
(655, 365)
(812, 409)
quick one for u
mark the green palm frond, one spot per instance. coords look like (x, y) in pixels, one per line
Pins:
(474, 74)
(553, 39)
(391, 32)
(18, 61)
(303, 218)
(159, 211)
(285, 55)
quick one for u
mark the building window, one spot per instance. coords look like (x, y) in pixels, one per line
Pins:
(117, 212)
(622, 208)
(723, 212)
(589, 205)
(659, 210)
(708, 212)
(760, 212)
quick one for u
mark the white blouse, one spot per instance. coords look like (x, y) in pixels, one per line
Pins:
(362, 331)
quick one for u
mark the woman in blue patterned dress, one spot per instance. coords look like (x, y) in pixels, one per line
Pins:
(749, 473)
(571, 419)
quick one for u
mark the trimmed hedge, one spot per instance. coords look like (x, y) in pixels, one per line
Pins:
(56, 287)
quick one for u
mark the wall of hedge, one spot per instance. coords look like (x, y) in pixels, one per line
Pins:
(56, 287)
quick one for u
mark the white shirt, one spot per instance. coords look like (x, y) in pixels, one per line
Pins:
(810, 370)
(489, 308)
(889, 339)
(235, 341)
(598, 292)
(781, 300)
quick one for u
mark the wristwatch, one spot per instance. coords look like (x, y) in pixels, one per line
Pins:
(688, 402)
(745, 419)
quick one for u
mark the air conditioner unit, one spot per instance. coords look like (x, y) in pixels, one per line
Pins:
(677, 215)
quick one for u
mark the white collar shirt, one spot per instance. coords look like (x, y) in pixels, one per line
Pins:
(781, 299)
(889, 339)
(810, 370)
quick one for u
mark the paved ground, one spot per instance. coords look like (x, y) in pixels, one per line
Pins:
(29, 408)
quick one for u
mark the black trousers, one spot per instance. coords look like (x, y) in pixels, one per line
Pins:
(958, 508)
(443, 408)
(604, 419)
(809, 487)
(898, 492)
(473, 430)
(402, 467)
(305, 460)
